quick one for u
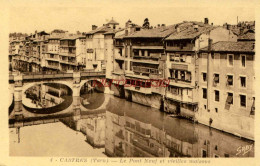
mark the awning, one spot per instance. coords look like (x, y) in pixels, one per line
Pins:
(230, 79)
(216, 79)
(229, 99)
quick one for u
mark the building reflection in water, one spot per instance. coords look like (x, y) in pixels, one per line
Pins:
(126, 129)
(46, 95)
(133, 130)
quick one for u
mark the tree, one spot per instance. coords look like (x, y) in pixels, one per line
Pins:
(146, 24)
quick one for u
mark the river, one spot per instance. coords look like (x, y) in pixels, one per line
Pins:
(103, 125)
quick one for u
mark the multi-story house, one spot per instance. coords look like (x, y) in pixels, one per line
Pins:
(37, 42)
(182, 49)
(95, 45)
(67, 53)
(81, 52)
(118, 58)
(14, 57)
(52, 58)
(109, 50)
(144, 65)
(226, 87)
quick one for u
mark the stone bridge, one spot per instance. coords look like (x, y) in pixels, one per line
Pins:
(19, 83)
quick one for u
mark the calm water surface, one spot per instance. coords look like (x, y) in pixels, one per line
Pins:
(99, 125)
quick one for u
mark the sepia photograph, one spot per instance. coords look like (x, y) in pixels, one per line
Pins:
(134, 80)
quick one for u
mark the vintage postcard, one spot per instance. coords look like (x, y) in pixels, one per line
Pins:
(129, 82)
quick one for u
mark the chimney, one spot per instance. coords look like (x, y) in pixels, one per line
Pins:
(196, 28)
(126, 32)
(241, 31)
(128, 23)
(210, 44)
(94, 27)
(228, 26)
(206, 21)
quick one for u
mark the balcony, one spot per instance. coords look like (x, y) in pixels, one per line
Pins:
(182, 66)
(180, 82)
(153, 56)
(154, 46)
(146, 148)
(146, 60)
(138, 89)
(180, 98)
(69, 62)
(119, 44)
(70, 54)
(146, 70)
(180, 48)
(53, 66)
(52, 59)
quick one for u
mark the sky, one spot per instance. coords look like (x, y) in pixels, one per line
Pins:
(80, 15)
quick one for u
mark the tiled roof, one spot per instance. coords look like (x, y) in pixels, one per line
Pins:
(119, 36)
(188, 31)
(247, 36)
(73, 37)
(113, 31)
(228, 46)
(160, 32)
(113, 22)
(100, 29)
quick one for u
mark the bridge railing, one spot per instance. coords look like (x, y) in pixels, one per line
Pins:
(45, 75)
(91, 73)
(42, 76)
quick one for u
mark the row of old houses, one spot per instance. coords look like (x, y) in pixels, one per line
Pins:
(209, 69)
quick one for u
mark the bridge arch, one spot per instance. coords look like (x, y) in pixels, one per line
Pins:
(28, 85)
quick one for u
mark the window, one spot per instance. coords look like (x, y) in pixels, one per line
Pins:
(204, 93)
(216, 109)
(216, 95)
(188, 76)
(242, 100)
(183, 58)
(204, 76)
(243, 60)
(204, 153)
(205, 107)
(216, 78)
(230, 80)
(177, 58)
(230, 60)
(243, 81)
(226, 155)
(216, 156)
(230, 98)
(126, 65)
(172, 57)
(182, 75)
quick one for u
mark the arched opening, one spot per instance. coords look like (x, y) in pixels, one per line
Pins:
(47, 98)
(92, 94)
